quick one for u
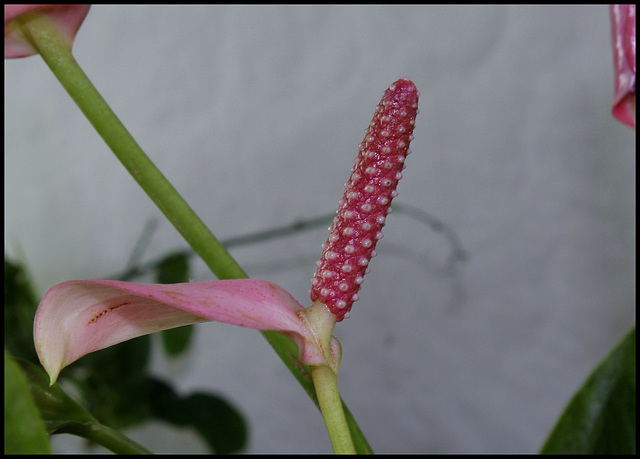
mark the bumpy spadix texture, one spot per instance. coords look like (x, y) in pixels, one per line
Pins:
(362, 211)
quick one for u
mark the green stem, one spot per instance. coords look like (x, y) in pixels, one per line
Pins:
(325, 378)
(325, 381)
(109, 438)
(45, 38)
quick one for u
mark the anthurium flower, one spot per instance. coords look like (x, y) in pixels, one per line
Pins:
(79, 317)
(67, 18)
(623, 31)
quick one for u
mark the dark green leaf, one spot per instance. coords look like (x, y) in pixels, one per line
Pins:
(20, 304)
(58, 410)
(177, 340)
(114, 382)
(601, 416)
(24, 431)
(174, 269)
(218, 423)
(62, 414)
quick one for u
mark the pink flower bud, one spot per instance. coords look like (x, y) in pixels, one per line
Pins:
(68, 19)
(623, 32)
(367, 199)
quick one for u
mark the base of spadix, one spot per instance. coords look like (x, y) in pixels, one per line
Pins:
(321, 322)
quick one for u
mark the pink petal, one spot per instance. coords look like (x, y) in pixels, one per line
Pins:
(68, 18)
(623, 31)
(79, 317)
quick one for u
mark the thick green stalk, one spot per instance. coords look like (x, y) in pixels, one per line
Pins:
(45, 38)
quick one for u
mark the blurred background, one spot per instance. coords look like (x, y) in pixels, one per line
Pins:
(255, 113)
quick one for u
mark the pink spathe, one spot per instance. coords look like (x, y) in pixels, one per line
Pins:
(68, 19)
(83, 316)
(623, 35)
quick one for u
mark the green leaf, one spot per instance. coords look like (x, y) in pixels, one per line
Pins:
(114, 382)
(62, 414)
(177, 340)
(20, 304)
(58, 410)
(601, 416)
(24, 431)
(217, 422)
(174, 269)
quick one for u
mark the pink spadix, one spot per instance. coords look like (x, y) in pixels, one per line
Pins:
(363, 209)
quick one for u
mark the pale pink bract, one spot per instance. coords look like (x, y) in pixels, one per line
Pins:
(79, 317)
(68, 19)
(623, 36)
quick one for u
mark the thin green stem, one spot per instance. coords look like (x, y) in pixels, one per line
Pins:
(325, 381)
(109, 438)
(56, 54)
(325, 378)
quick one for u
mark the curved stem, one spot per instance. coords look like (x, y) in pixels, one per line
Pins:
(109, 438)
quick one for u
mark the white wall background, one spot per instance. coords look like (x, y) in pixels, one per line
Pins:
(255, 114)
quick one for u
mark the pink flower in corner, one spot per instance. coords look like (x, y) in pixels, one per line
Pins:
(623, 31)
(79, 317)
(68, 18)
